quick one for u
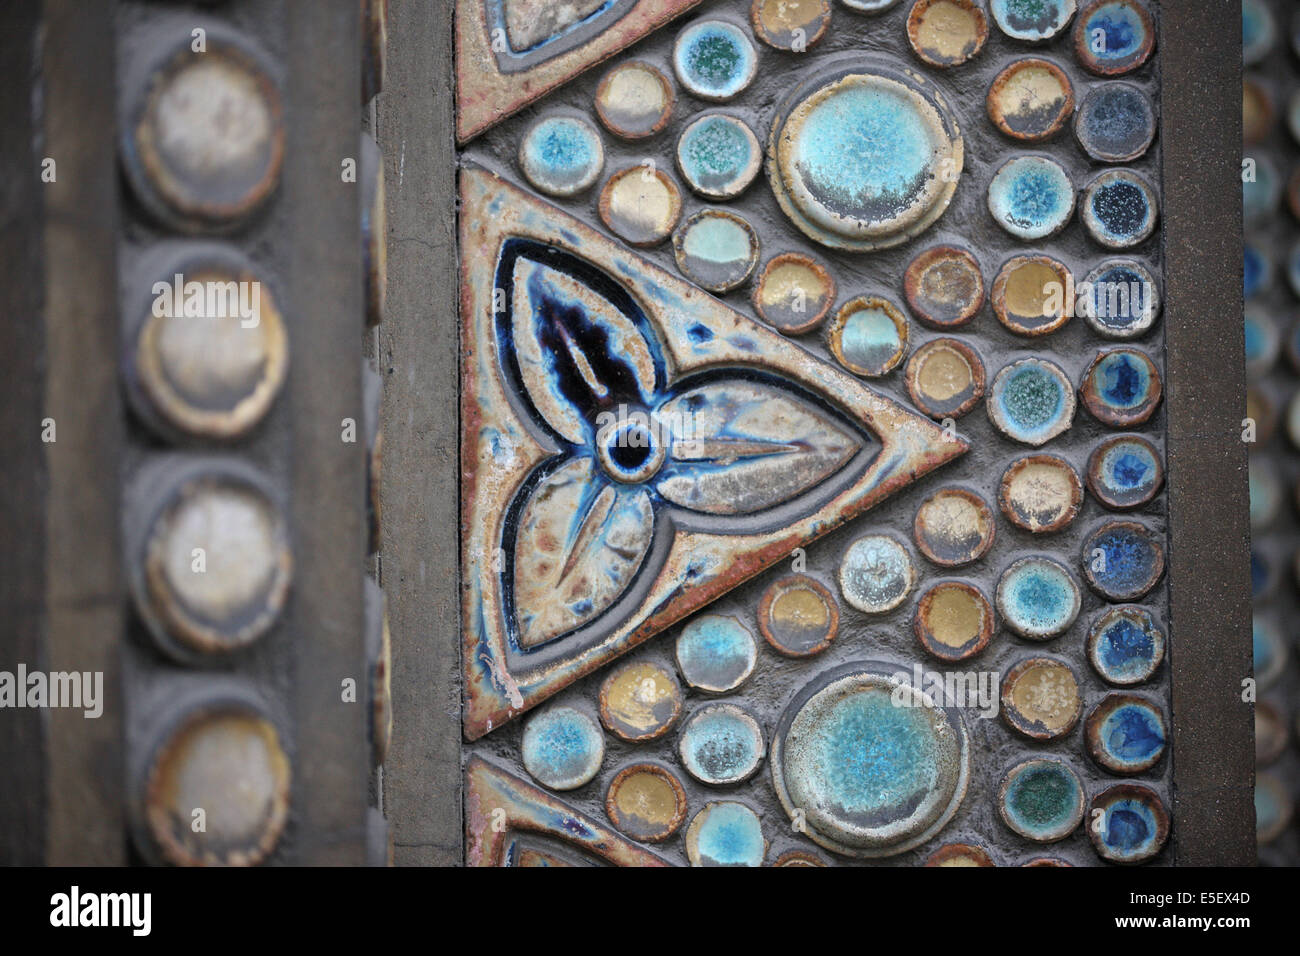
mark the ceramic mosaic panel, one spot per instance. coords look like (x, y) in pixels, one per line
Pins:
(1271, 124)
(809, 517)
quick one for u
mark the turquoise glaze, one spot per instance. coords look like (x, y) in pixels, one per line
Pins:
(562, 155)
(714, 59)
(875, 574)
(718, 156)
(870, 340)
(721, 744)
(1031, 197)
(1125, 645)
(1032, 20)
(716, 653)
(726, 834)
(1038, 598)
(562, 748)
(1119, 209)
(1031, 401)
(1123, 560)
(1042, 800)
(1130, 737)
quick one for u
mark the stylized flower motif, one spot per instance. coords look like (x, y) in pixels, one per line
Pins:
(634, 446)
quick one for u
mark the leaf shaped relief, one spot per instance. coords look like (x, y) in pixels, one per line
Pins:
(579, 544)
(739, 447)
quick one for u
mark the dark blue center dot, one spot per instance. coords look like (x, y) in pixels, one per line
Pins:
(1123, 560)
(632, 453)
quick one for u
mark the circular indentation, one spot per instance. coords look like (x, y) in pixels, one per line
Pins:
(1121, 388)
(1271, 733)
(954, 621)
(1268, 650)
(876, 765)
(562, 748)
(718, 156)
(1261, 189)
(1040, 698)
(1124, 472)
(1114, 36)
(798, 858)
(1132, 825)
(798, 616)
(641, 205)
(1258, 31)
(1119, 299)
(1032, 21)
(1031, 197)
(631, 453)
(1257, 112)
(228, 761)
(864, 159)
(792, 25)
(209, 362)
(640, 701)
(205, 144)
(561, 155)
(1038, 598)
(1262, 342)
(634, 100)
(959, 854)
(216, 565)
(947, 32)
(646, 802)
(1119, 209)
(714, 60)
(794, 293)
(1125, 645)
(1125, 734)
(1123, 560)
(1042, 800)
(725, 833)
(1040, 493)
(868, 6)
(1031, 401)
(954, 527)
(721, 744)
(869, 336)
(716, 250)
(1265, 494)
(1273, 808)
(716, 654)
(1033, 295)
(944, 287)
(945, 378)
(1030, 100)
(1115, 123)
(876, 573)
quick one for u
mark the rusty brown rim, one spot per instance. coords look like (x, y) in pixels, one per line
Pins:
(979, 378)
(670, 99)
(918, 12)
(654, 770)
(960, 851)
(925, 635)
(784, 586)
(1009, 477)
(823, 21)
(607, 717)
(1114, 417)
(1006, 76)
(158, 817)
(975, 501)
(1094, 473)
(798, 858)
(916, 270)
(1129, 791)
(808, 262)
(1046, 861)
(1084, 55)
(835, 333)
(1092, 733)
(674, 197)
(999, 296)
(1013, 718)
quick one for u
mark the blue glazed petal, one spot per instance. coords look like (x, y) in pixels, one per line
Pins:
(1031, 197)
(714, 60)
